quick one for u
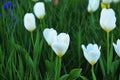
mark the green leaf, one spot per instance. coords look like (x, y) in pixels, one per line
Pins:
(83, 78)
(50, 68)
(74, 74)
(64, 77)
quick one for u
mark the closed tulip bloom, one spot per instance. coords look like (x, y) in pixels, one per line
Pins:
(117, 47)
(107, 1)
(61, 45)
(50, 35)
(29, 22)
(91, 53)
(93, 5)
(39, 10)
(107, 19)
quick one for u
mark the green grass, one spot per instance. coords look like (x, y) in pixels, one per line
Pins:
(21, 60)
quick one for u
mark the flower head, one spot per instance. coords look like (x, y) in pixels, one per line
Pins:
(107, 19)
(29, 22)
(93, 5)
(91, 53)
(39, 10)
(117, 47)
(50, 35)
(61, 45)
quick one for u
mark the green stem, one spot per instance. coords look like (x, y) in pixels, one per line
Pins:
(93, 74)
(57, 67)
(32, 38)
(107, 52)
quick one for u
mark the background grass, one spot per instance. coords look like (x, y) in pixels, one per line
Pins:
(20, 60)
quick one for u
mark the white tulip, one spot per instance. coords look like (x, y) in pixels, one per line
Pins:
(117, 47)
(107, 1)
(91, 53)
(29, 22)
(107, 19)
(50, 35)
(93, 5)
(116, 1)
(39, 10)
(61, 45)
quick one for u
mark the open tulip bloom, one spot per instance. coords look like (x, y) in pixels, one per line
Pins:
(93, 5)
(29, 22)
(39, 10)
(61, 45)
(117, 47)
(91, 53)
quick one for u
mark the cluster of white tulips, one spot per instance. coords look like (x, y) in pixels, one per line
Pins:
(29, 18)
(60, 42)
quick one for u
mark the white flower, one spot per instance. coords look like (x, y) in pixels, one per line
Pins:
(93, 5)
(116, 1)
(61, 45)
(29, 22)
(107, 19)
(91, 53)
(50, 35)
(117, 47)
(39, 10)
(107, 1)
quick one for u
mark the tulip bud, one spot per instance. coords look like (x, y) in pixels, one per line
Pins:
(50, 35)
(91, 53)
(117, 47)
(93, 5)
(61, 45)
(107, 19)
(29, 22)
(39, 10)
(106, 1)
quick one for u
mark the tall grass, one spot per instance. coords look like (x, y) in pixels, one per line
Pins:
(21, 60)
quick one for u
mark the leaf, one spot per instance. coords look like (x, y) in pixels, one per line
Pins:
(50, 68)
(83, 78)
(64, 77)
(74, 74)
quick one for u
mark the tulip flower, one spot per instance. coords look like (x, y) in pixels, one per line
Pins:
(107, 1)
(117, 47)
(107, 19)
(50, 35)
(39, 10)
(93, 5)
(29, 22)
(61, 45)
(91, 53)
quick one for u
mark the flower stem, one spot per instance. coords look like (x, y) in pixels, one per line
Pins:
(57, 67)
(32, 38)
(107, 52)
(93, 74)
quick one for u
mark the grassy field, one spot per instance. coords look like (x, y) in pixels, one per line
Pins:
(21, 60)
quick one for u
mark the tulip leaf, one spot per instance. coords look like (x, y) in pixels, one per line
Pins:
(64, 77)
(50, 68)
(74, 74)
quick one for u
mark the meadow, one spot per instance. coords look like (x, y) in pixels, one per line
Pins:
(26, 57)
